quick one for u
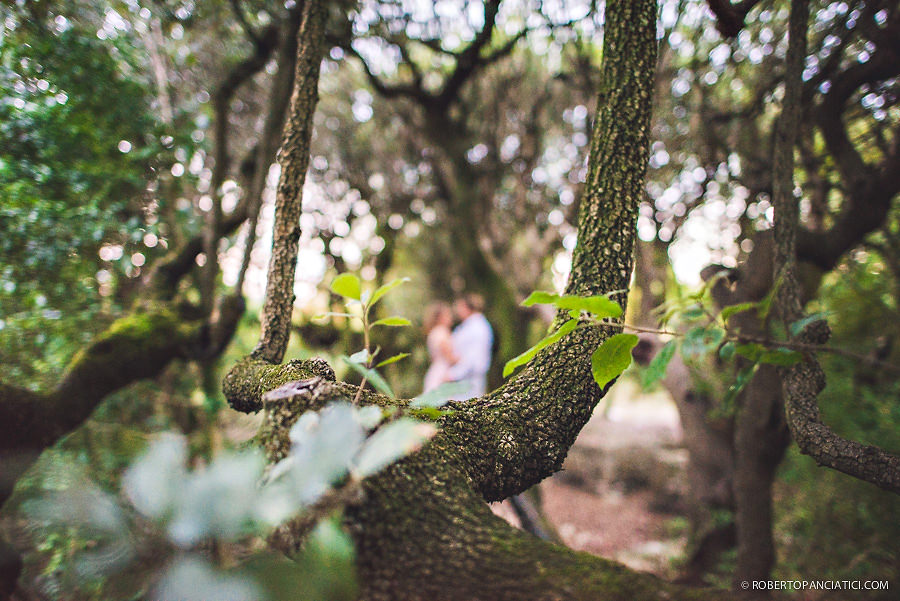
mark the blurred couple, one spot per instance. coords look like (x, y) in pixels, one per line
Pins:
(462, 354)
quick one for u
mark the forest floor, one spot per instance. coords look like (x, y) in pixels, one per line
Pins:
(621, 490)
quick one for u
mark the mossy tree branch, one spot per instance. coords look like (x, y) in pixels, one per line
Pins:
(134, 347)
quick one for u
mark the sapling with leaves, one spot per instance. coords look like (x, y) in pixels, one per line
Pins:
(349, 286)
(359, 305)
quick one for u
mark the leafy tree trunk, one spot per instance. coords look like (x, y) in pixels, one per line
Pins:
(422, 528)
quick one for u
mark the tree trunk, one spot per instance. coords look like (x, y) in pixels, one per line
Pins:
(421, 527)
(760, 440)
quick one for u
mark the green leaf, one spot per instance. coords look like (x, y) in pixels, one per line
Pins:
(765, 305)
(738, 308)
(726, 352)
(599, 306)
(781, 357)
(612, 358)
(528, 355)
(395, 321)
(362, 357)
(348, 286)
(330, 314)
(701, 340)
(693, 313)
(539, 297)
(657, 368)
(440, 396)
(394, 359)
(380, 292)
(751, 350)
(760, 354)
(740, 382)
(378, 382)
(391, 442)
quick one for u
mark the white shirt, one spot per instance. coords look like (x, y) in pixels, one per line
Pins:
(472, 340)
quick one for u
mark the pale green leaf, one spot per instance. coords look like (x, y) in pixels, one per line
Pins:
(394, 321)
(381, 291)
(760, 354)
(322, 316)
(394, 359)
(539, 297)
(377, 381)
(348, 286)
(726, 351)
(657, 367)
(362, 357)
(740, 382)
(391, 442)
(730, 310)
(599, 306)
(439, 396)
(612, 358)
(528, 355)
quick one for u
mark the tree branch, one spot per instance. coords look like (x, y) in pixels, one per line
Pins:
(273, 125)
(803, 381)
(729, 16)
(294, 159)
(242, 20)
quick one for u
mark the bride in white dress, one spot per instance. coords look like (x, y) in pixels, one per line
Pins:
(438, 321)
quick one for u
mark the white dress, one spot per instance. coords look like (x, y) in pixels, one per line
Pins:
(437, 371)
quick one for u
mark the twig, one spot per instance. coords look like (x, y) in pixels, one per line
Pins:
(767, 342)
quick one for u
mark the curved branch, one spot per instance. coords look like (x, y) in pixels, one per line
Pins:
(802, 385)
(803, 382)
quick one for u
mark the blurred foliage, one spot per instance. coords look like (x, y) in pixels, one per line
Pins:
(160, 540)
(67, 188)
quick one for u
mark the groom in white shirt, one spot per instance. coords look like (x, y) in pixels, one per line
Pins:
(472, 341)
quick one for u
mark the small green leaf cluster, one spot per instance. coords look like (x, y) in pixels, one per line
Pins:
(609, 360)
(349, 286)
(710, 333)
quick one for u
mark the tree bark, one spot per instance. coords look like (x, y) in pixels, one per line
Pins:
(294, 159)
